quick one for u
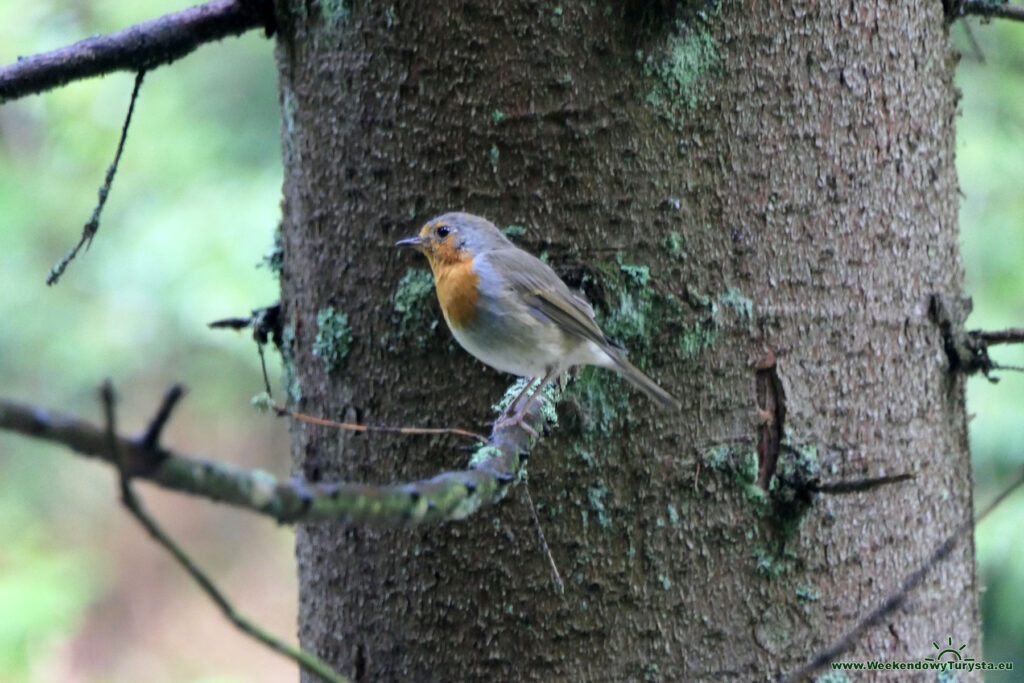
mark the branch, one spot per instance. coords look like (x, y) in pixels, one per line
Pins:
(306, 660)
(992, 10)
(966, 351)
(1010, 336)
(266, 326)
(447, 496)
(93, 224)
(139, 48)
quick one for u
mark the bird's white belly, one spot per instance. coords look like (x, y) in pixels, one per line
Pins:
(507, 357)
(532, 352)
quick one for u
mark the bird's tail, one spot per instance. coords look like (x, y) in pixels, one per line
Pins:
(642, 381)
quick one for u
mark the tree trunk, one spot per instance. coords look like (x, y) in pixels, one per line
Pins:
(760, 202)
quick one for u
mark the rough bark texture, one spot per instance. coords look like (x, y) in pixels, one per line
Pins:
(727, 186)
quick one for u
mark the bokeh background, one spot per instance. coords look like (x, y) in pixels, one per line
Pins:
(84, 594)
(990, 162)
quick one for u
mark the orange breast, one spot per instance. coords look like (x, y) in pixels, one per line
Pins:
(458, 290)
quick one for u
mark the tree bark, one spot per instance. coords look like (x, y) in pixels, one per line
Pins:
(760, 202)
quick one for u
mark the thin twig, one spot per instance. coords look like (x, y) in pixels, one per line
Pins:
(265, 323)
(993, 10)
(284, 412)
(236, 324)
(306, 660)
(156, 426)
(263, 366)
(266, 327)
(142, 47)
(894, 601)
(90, 228)
(860, 485)
(978, 54)
(559, 584)
(1012, 368)
(1010, 336)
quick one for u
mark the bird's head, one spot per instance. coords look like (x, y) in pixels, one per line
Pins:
(455, 237)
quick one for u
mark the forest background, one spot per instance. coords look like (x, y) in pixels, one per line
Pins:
(84, 594)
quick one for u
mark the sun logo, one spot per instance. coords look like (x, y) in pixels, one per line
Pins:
(949, 650)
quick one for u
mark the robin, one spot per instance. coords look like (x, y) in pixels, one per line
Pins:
(510, 310)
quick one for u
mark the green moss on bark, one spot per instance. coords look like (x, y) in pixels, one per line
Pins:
(333, 338)
(414, 317)
(335, 13)
(677, 66)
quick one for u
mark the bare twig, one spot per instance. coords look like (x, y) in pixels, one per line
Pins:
(263, 367)
(894, 601)
(965, 352)
(860, 485)
(265, 323)
(90, 228)
(284, 412)
(559, 584)
(969, 32)
(308, 661)
(151, 438)
(992, 10)
(266, 326)
(1010, 336)
(1014, 368)
(448, 496)
(140, 48)
(237, 324)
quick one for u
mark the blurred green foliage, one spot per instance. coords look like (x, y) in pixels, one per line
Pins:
(990, 162)
(193, 210)
(43, 591)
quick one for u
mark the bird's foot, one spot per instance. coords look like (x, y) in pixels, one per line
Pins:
(516, 420)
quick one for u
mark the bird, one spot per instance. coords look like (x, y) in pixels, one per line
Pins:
(510, 310)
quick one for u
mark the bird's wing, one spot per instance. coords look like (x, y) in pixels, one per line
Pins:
(546, 295)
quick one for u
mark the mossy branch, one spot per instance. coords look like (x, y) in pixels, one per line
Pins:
(448, 496)
(308, 661)
(142, 47)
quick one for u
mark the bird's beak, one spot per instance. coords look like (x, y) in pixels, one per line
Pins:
(416, 242)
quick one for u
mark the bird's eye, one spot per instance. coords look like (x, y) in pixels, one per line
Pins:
(443, 231)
